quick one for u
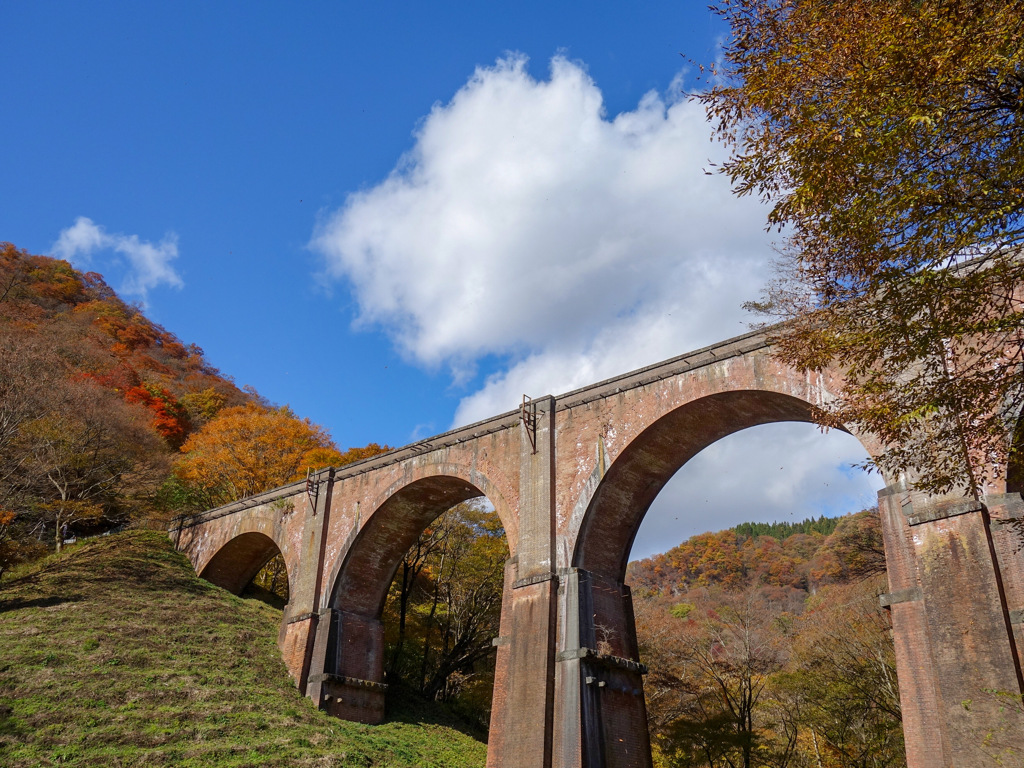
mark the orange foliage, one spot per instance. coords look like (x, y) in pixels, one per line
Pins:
(709, 558)
(800, 561)
(119, 378)
(358, 454)
(202, 405)
(248, 449)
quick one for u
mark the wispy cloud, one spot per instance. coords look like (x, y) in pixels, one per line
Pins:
(148, 264)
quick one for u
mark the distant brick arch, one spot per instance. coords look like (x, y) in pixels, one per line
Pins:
(236, 564)
(397, 514)
(361, 579)
(231, 555)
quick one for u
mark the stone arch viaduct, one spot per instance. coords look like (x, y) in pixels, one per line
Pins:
(571, 478)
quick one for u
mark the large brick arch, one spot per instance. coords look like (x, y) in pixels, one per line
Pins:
(399, 515)
(571, 478)
(646, 464)
(235, 564)
(352, 643)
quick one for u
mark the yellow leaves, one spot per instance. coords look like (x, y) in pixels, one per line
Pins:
(204, 405)
(318, 458)
(887, 138)
(68, 510)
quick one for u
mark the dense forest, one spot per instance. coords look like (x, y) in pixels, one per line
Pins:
(767, 647)
(766, 643)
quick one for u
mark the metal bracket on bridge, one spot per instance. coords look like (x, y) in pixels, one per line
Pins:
(312, 488)
(528, 415)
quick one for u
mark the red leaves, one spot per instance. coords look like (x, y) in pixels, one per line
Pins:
(169, 418)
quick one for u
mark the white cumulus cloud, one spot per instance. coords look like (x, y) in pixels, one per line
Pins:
(528, 226)
(148, 264)
(526, 222)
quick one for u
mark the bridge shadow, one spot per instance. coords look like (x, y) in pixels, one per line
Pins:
(406, 705)
(38, 602)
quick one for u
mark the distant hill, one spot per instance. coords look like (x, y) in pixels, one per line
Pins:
(801, 556)
(770, 635)
(95, 402)
(117, 654)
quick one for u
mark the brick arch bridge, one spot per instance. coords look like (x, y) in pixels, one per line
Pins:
(571, 478)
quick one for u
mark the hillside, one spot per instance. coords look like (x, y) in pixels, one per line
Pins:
(117, 654)
(788, 556)
(767, 645)
(106, 418)
(95, 402)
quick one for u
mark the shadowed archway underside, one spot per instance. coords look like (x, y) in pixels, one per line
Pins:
(364, 577)
(238, 561)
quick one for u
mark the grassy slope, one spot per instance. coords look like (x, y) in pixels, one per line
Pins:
(119, 655)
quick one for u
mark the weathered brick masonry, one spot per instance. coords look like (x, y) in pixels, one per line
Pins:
(571, 478)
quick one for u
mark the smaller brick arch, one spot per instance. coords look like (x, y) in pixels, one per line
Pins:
(642, 469)
(236, 563)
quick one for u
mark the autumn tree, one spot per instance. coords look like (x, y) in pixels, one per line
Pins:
(28, 372)
(784, 659)
(94, 458)
(840, 690)
(711, 661)
(362, 452)
(71, 451)
(248, 449)
(444, 607)
(888, 138)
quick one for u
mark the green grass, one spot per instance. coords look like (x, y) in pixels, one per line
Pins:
(117, 654)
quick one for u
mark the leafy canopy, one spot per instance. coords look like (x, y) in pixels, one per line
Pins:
(889, 139)
(248, 449)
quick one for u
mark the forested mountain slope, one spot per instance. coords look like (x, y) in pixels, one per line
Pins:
(767, 647)
(107, 418)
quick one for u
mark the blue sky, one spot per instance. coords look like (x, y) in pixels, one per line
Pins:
(399, 217)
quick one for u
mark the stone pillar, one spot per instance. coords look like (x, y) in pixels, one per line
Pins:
(955, 652)
(351, 686)
(500, 743)
(1008, 540)
(346, 650)
(299, 623)
(521, 715)
(601, 716)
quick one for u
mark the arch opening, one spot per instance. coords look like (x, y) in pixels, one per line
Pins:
(242, 560)
(417, 601)
(738, 625)
(645, 466)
